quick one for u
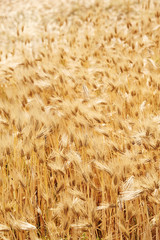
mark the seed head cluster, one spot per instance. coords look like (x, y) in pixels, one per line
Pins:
(79, 119)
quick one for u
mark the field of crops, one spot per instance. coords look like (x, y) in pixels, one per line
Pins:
(80, 120)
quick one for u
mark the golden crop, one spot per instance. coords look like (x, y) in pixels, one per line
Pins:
(79, 119)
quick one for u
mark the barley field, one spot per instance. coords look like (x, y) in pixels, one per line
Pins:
(79, 120)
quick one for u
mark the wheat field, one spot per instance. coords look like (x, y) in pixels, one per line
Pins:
(79, 120)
